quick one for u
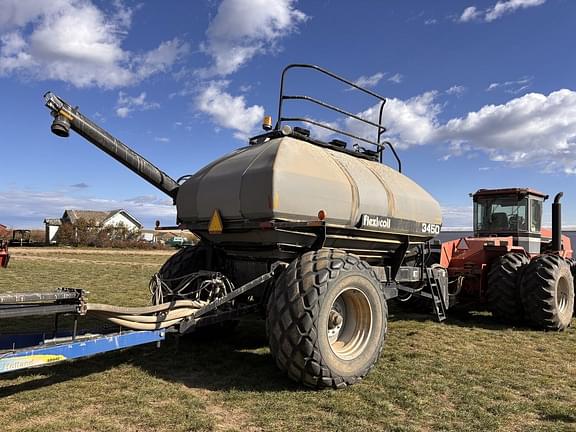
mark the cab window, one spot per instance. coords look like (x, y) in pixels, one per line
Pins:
(536, 215)
(501, 214)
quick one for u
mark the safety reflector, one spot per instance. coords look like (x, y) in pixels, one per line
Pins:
(216, 226)
(462, 244)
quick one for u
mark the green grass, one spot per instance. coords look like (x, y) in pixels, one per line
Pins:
(466, 374)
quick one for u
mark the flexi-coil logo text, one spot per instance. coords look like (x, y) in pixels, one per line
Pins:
(376, 222)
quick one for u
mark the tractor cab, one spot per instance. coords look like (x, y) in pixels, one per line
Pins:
(513, 212)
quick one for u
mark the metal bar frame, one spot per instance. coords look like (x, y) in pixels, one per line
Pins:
(379, 128)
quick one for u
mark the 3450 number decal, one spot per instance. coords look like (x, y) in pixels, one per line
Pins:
(430, 228)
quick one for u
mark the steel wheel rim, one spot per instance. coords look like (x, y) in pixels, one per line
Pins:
(562, 294)
(350, 322)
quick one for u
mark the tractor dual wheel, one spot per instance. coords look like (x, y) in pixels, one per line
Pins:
(572, 262)
(327, 319)
(502, 291)
(547, 292)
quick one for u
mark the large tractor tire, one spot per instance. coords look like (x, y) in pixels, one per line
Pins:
(327, 319)
(572, 262)
(547, 292)
(502, 291)
(188, 260)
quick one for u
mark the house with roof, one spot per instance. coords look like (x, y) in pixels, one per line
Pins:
(99, 219)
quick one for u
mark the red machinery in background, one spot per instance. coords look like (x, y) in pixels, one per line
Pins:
(4, 255)
(520, 271)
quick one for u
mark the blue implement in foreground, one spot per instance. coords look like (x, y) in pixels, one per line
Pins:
(50, 353)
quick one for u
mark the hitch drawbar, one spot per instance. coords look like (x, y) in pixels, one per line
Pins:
(25, 351)
(137, 325)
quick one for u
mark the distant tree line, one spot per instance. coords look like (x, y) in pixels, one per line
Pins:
(88, 233)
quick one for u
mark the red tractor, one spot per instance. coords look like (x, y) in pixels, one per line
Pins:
(4, 255)
(514, 268)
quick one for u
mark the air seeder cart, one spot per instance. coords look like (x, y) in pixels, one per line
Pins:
(315, 236)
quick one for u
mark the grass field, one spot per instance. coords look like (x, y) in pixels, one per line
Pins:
(466, 374)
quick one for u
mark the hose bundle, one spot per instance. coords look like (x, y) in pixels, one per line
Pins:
(146, 318)
(187, 294)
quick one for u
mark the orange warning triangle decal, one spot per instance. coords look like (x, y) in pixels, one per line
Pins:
(462, 244)
(216, 226)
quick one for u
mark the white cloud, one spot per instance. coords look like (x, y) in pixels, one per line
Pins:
(369, 81)
(373, 80)
(512, 87)
(162, 139)
(32, 207)
(18, 13)
(495, 12)
(243, 28)
(228, 111)
(431, 21)
(469, 14)
(509, 6)
(410, 122)
(76, 42)
(127, 104)
(456, 90)
(159, 59)
(534, 129)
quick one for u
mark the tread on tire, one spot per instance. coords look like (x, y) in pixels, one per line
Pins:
(547, 292)
(502, 291)
(298, 312)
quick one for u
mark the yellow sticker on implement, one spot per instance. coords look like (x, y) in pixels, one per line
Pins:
(15, 363)
(216, 226)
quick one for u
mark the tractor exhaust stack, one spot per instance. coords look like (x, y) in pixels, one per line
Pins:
(557, 223)
(66, 118)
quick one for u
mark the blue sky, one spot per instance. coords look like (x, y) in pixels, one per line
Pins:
(481, 93)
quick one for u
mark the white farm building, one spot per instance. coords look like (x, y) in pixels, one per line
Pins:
(98, 218)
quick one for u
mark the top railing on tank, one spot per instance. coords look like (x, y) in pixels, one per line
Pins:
(380, 145)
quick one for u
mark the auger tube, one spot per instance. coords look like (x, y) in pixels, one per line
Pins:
(66, 118)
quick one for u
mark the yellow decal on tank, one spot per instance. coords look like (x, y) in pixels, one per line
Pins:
(216, 226)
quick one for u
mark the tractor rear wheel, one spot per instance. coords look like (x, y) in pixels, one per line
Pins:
(572, 262)
(502, 291)
(547, 292)
(327, 319)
